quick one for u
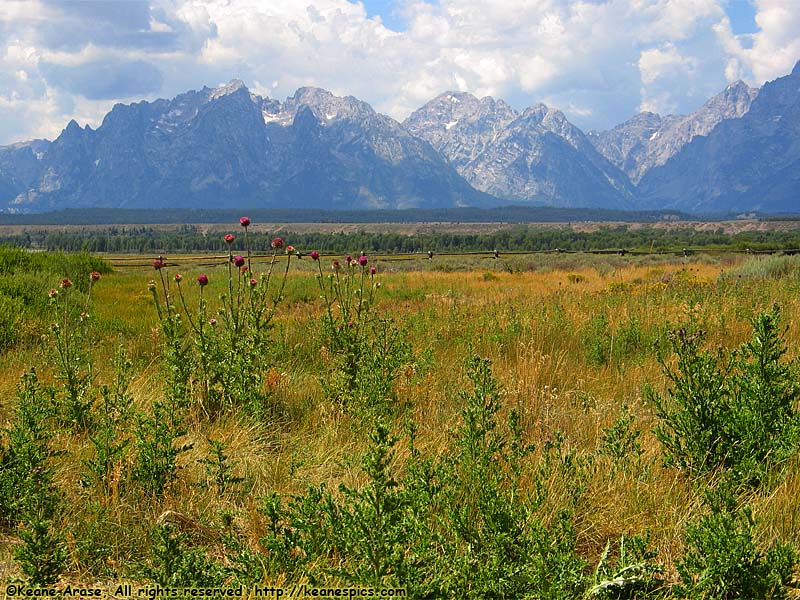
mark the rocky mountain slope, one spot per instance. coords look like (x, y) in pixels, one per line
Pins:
(535, 157)
(745, 164)
(226, 147)
(649, 140)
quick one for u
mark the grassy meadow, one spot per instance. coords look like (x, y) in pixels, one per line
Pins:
(468, 428)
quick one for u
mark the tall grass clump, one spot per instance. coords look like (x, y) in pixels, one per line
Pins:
(11, 315)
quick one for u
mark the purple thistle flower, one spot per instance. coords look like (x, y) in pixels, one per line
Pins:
(202, 279)
(178, 277)
(244, 221)
(229, 238)
(372, 270)
(314, 255)
(277, 243)
(362, 260)
(238, 260)
(94, 276)
(159, 263)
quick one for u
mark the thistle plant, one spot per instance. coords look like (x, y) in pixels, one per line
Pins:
(369, 351)
(177, 356)
(223, 355)
(72, 357)
(219, 468)
(108, 440)
(347, 312)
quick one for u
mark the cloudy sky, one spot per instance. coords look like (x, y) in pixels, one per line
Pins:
(600, 61)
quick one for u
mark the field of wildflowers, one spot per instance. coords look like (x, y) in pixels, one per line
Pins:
(611, 427)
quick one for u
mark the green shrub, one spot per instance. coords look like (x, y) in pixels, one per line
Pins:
(372, 521)
(108, 440)
(175, 563)
(219, 468)
(620, 442)
(597, 340)
(496, 544)
(157, 450)
(736, 410)
(456, 526)
(722, 560)
(30, 500)
(299, 535)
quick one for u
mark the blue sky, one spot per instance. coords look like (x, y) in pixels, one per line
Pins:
(388, 11)
(740, 12)
(599, 61)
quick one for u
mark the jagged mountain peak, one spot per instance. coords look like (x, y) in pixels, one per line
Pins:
(73, 131)
(326, 106)
(737, 85)
(538, 110)
(72, 127)
(309, 94)
(233, 86)
(537, 156)
(454, 96)
(551, 119)
(459, 125)
(225, 146)
(645, 117)
(462, 104)
(731, 102)
(556, 122)
(466, 98)
(749, 162)
(648, 140)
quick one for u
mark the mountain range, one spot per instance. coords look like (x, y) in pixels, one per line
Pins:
(226, 147)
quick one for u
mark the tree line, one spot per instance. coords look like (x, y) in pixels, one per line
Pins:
(525, 238)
